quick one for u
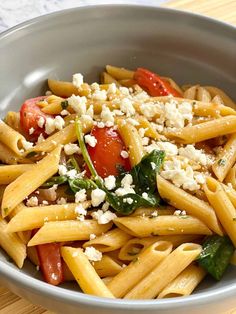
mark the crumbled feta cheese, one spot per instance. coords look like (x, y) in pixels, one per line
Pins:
(78, 80)
(72, 174)
(78, 104)
(45, 202)
(80, 196)
(124, 191)
(92, 254)
(124, 91)
(61, 201)
(145, 141)
(97, 197)
(101, 125)
(41, 122)
(103, 217)
(99, 95)
(141, 132)
(27, 145)
(31, 131)
(95, 86)
(112, 88)
(59, 123)
(193, 154)
(71, 149)
(92, 236)
(127, 180)
(90, 112)
(129, 200)
(107, 116)
(169, 148)
(124, 154)
(110, 182)
(64, 112)
(176, 115)
(154, 214)
(145, 195)
(33, 201)
(91, 140)
(49, 125)
(132, 121)
(127, 107)
(48, 93)
(40, 139)
(105, 206)
(62, 170)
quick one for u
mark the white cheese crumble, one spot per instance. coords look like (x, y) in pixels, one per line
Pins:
(54, 124)
(78, 104)
(62, 201)
(77, 80)
(40, 139)
(169, 148)
(99, 95)
(126, 187)
(92, 254)
(92, 236)
(62, 170)
(107, 116)
(27, 145)
(97, 197)
(110, 182)
(80, 196)
(41, 122)
(124, 154)
(193, 154)
(71, 149)
(111, 88)
(103, 217)
(31, 131)
(90, 140)
(127, 107)
(33, 201)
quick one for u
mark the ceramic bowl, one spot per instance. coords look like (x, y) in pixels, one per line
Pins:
(187, 47)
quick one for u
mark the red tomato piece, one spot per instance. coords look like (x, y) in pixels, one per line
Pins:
(30, 114)
(153, 84)
(50, 262)
(106, 155)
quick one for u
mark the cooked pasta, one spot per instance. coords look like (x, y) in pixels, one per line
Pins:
(126, 187)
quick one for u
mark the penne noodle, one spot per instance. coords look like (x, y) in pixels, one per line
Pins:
(119, 73)
(13, 120)
(11, 138)
(110, 241)
(132, 140)
(231, 193)
(29, 181)
(62, 89)
(191, 204)
(149, 130)
(162, 225)
(226, 159)
(108, 79)
(190, 92)
(222, 205)
(205, 131)
(7, 156)
(160, 211)
(107, 267)
(35, 217)
(165, 272)
(184, 283)
(69, 230)
(173, 84)
(65, 136)
(231, 177)
(84, 272)
(203, 94)
(11, 172)
(136, 246)
(12, 244)
(215, 91)
(139, 268)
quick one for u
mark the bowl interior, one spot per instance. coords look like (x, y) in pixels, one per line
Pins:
(188, 48)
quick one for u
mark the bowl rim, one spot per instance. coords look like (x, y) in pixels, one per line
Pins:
(16, 276)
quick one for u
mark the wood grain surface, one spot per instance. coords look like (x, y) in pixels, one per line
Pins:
(224, 10)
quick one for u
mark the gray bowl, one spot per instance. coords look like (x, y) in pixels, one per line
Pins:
(184, 46)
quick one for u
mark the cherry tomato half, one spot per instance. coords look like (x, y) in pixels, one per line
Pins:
(106, 155)
(30, 114)
(153, 84)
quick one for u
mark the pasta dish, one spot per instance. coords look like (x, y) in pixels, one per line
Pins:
(127, 186)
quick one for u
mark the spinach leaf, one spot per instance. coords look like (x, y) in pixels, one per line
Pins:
(55, 180)
(216, 254)
(127, 203)
(79, 184)
(144, 173)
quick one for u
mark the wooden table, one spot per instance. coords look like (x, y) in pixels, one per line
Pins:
(224, 10)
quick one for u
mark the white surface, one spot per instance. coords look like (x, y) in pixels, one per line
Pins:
(13, 12)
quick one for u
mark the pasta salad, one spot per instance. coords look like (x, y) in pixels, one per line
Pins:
(127, 187)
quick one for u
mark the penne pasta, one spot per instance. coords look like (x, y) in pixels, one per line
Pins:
(109, 79)
(139, 268)
(35, 217)
(226, 159)
(165, 272)
(11, 172)
(184, 283)
(231, 177)
(62, 89)
(224, 208)
(29, 181)
(12, 244)
(215, 91)
(162, 225)
(191, 204)
(84, 273)
(119, 73)
(107, 267)
(69, 230)
(110, 241)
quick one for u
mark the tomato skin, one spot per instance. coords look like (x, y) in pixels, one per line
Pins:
(30, 113)
(50, 262)
(106, 154)
(153, 84)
